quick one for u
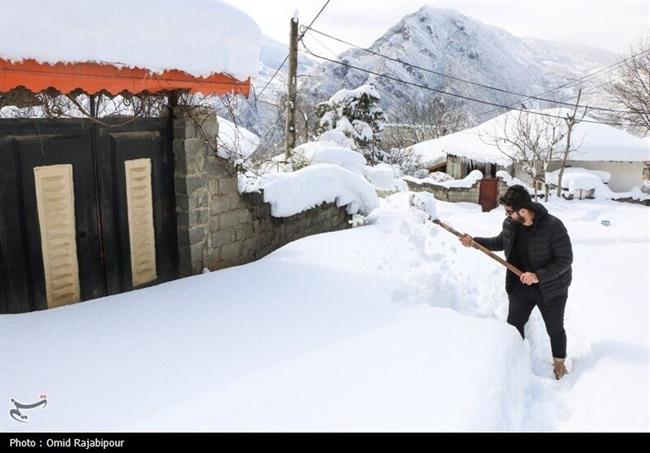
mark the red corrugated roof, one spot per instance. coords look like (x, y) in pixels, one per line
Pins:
(93, 78)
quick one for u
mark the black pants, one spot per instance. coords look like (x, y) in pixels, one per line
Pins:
(522, 301)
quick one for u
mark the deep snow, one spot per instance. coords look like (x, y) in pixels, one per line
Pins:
(389, 326)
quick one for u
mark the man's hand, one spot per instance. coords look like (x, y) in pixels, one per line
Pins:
(529, 278)
(466, 240)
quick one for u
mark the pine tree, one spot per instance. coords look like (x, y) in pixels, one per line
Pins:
(357, 115)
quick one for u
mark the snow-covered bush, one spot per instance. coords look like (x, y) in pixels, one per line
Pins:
(356, 115)
(409, 162)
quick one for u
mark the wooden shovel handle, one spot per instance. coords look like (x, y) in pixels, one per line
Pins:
(478, 246)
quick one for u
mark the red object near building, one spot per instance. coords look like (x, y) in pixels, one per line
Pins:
(488, 194)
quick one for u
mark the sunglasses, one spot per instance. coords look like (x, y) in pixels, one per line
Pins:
(509, 212)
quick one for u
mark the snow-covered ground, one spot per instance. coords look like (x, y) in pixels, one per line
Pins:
(389, 326)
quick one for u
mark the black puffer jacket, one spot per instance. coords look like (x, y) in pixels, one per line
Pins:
(549, 252)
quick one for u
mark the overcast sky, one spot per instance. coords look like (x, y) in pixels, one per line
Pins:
(608, 25)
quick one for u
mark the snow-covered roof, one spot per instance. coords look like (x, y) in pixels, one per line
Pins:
(600, 142)
(200, 38)
(324, 152)
(606, 143)
(465, 143)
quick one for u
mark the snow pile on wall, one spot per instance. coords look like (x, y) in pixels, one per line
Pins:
(465, 183)
(200, 38)
(383, 177)
(324, 152)
(436, 177)
(235, 142)
(292, 193)
(337, 137)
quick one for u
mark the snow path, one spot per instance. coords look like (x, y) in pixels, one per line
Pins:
(607, 319)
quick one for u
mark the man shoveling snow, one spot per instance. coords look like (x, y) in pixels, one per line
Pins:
(538, 243)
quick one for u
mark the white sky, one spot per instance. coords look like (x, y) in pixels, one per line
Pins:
(608, 25)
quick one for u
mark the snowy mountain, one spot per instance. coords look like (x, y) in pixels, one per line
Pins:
(448, 42)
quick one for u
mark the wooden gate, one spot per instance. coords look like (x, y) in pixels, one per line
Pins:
(85, 210)
(488, 194)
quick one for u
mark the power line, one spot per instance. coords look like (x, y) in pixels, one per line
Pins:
(601, 72)
(441, 74)
(287, 57)
(334, 54)
(273, 76)
(467, 98)
(257, 96)
(314, 20)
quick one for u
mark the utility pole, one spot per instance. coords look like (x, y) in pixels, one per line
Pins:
(571, 121)
(290, 131)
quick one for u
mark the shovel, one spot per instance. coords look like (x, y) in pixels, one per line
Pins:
(426, 202)
(478, 246)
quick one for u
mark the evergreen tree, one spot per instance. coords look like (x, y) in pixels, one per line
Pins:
(357, 115)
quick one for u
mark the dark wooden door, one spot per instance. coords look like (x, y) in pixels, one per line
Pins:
(148, 139)
(488, 194)
(24, 147)
(94, 157)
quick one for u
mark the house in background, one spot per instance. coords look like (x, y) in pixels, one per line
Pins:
(601, 147)
(462, 152)
(624, 156)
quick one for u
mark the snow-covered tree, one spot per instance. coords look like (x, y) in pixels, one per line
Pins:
(356, 114)
(531, 140)
(631, 88)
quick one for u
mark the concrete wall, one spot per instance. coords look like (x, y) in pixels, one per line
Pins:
(218, 227)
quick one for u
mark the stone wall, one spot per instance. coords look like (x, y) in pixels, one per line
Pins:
(218, 227)
(455, 194)
(442, 193)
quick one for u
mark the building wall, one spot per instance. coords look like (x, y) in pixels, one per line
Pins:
(218, 227)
